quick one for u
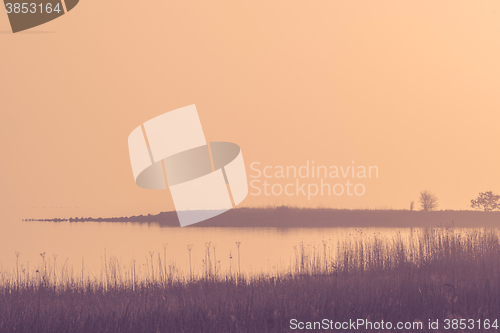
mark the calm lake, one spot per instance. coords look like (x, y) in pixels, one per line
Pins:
(262, 250)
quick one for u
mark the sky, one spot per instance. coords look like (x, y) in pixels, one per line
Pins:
(410, 87)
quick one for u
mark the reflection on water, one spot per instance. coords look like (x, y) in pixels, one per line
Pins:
(144, 248)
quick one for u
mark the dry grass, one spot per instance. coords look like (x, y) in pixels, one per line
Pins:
(436, 274)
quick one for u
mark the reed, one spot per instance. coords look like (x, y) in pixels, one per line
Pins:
(431, 274)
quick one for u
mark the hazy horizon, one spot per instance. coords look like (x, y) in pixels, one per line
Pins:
(408, 87)
(364, 105)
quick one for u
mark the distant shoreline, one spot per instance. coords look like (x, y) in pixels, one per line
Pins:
(290, 217)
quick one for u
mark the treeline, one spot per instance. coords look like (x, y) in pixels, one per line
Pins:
(289, 217)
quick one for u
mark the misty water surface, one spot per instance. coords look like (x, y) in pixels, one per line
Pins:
(262, 250)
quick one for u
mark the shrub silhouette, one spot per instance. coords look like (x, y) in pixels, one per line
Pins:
(486, 201)
(428, 201)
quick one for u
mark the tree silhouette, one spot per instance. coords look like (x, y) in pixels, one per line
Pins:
(428, 201)
(486, 201)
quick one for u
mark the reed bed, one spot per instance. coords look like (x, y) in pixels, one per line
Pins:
(430, 274)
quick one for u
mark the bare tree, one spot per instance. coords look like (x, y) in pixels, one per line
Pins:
(428, 201)
(412, 205)
(486, 201)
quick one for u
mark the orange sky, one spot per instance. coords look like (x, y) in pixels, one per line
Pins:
(409, 86)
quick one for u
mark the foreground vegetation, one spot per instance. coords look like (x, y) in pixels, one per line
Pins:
(435, 274)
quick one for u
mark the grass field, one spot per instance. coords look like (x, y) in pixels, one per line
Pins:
(435, 274)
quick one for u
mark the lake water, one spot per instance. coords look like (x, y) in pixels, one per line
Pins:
(127, 245)
(85, 247)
